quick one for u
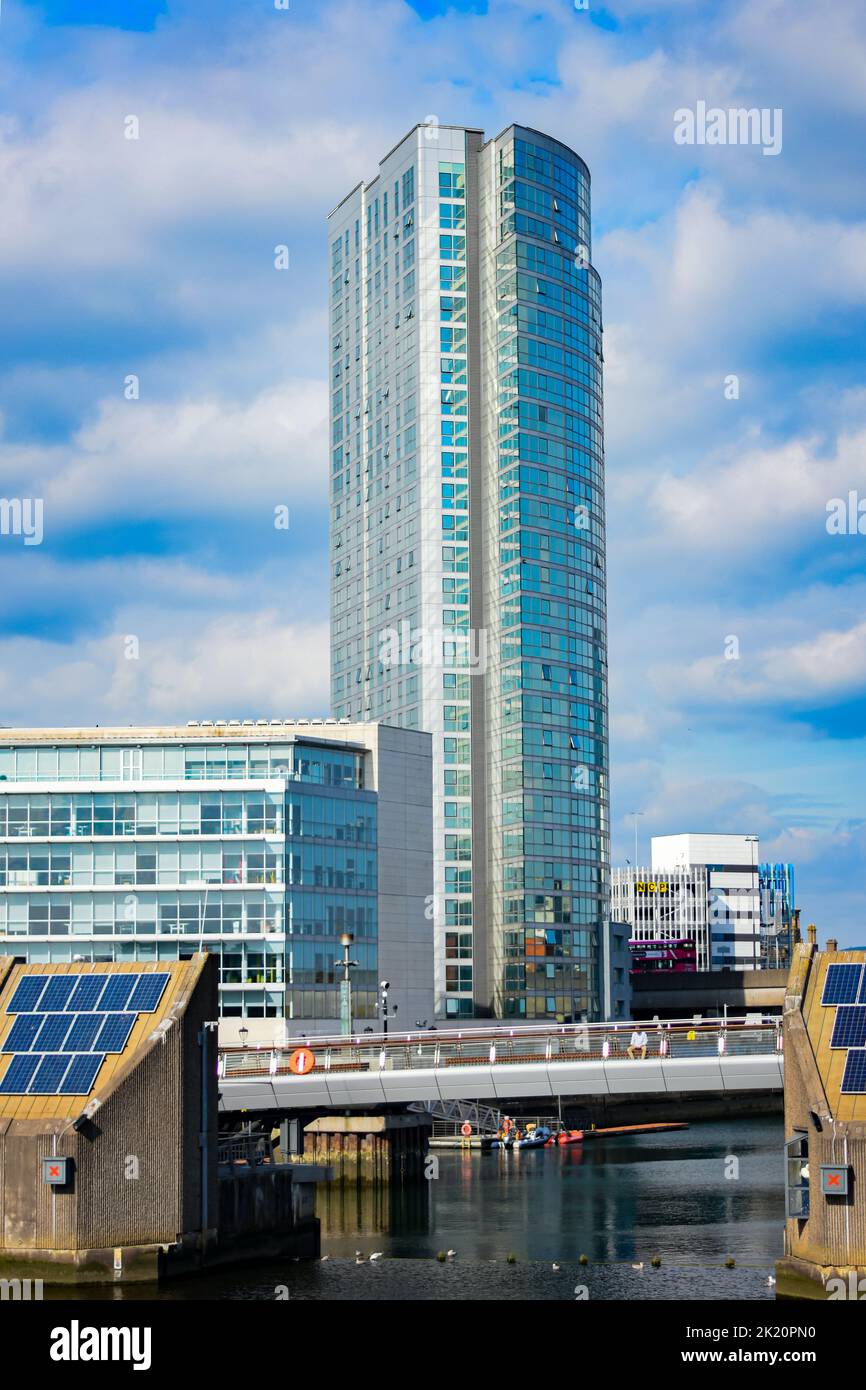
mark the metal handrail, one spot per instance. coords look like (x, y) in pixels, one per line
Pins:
(520, 1030)
(496, 1047)
(251, 1149)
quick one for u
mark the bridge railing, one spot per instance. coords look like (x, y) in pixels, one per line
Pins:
(518, 1046)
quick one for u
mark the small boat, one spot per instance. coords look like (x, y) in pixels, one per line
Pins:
(536, 1137)
(568, 1136)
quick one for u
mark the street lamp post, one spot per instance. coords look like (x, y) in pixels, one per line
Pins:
(384, 986)
(346, 940)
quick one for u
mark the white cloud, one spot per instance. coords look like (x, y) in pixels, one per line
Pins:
(760, 497)
(825, 667)
(192, 457)
(243, 665)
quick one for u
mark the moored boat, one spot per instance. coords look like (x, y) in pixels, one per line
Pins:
(570, 1136)
(536, 1137)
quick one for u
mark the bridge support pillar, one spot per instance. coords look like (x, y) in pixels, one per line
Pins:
(369, 1149)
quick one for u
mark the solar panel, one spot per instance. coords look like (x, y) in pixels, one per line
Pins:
(841, 984)
(861, 997)
(53, 1031)
(26, 995)
(849, 1029)
(86, 992)
(49, 1075)
(853, 1081)
(147, 993)
(117, 991)
(81, 1075)
(82, 1034)
(114, 1033)
(18, 1074)
(22, 1033)
(57, 993)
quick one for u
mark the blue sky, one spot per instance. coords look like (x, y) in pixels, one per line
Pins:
(154, 258)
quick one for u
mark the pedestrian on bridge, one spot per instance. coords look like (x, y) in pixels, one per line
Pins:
(638, 1043)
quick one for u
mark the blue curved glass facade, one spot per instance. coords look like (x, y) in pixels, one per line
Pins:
(547, 698)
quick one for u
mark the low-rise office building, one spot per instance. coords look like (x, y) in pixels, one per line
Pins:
(264, 843)
(699, 906)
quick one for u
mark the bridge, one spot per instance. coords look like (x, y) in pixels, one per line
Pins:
(440, 1070)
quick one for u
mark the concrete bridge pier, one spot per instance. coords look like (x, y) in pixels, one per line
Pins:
(369, 1149)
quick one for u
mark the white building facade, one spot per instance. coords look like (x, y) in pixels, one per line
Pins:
(704, 888)
(261, 842)
(467, 542)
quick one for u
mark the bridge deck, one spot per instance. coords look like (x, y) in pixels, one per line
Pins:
(506, 1064)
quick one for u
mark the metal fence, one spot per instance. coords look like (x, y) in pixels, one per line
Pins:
(250, 1149)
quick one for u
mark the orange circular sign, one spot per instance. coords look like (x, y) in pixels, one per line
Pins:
(301, 1061)
(466, 1129)
(507, 1124)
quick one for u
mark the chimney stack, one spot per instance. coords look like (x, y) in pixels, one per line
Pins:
(813, 933)
(832, 944)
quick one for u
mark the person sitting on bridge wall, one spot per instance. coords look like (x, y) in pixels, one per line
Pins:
(638, 1043)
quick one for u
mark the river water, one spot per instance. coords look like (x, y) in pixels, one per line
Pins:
(693, 1198)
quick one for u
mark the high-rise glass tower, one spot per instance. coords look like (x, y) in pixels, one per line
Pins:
(467, 542)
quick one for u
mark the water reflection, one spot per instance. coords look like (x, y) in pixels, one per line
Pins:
(611, 1199)
(617, 1201)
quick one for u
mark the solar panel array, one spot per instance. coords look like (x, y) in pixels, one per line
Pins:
(80, 993)
(849, 1030)
(845, 988)
(69, 1033)
(49, 1074)
(841, 984)
(854, 1079)
(66, 1025)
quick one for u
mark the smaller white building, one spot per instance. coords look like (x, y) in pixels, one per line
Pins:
(699, 888)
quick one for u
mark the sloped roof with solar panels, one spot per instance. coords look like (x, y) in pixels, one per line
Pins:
(834, 1010)
(69, 1032)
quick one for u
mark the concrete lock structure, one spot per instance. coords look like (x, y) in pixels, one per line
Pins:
(369, 1149)
(108, 1130)
(825, 1125)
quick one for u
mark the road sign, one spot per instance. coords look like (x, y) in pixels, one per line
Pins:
(301, 1061)
(466, 1129)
